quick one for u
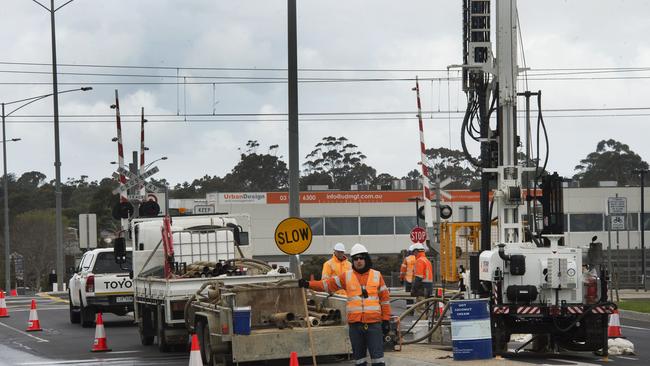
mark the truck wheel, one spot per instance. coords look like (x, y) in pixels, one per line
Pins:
(75, 315)
(144, 324)
(87, 316)
(163, 346)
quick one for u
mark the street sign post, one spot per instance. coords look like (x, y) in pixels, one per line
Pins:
(617, 212)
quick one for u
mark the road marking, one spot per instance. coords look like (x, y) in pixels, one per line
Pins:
(123, 352)
(25, 333)
(628, 358)
(631, 327)
(106, 361)
(53, 298)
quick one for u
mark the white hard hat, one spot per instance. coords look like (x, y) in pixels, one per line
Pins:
(418, 246)
(411, 247)
(339, 247)
(358, 249)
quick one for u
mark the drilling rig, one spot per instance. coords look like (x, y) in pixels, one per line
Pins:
(535, 283)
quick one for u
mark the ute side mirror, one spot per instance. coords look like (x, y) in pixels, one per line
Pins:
(119, 249)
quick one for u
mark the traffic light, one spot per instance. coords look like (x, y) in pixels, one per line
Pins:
(421, 212)
(149, 209)
(445, 212)
(122, 210)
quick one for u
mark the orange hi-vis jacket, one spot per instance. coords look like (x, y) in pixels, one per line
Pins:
(423, 268)
(335, 267)
(374, 308)
(407, 268)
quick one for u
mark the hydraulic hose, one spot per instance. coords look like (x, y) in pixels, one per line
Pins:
(584, 313)
(436, 325)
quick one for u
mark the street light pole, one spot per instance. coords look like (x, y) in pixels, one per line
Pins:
(25, 102)
(642, 172)
(5, 184)
(6, 206)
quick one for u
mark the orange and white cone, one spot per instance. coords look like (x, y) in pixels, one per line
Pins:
(13, 292)
(195, 352)
(293, 360)
(4, 313)
(100, 344)
(33, 324)
(614, 328)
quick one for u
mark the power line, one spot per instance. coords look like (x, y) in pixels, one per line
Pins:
(150, 67)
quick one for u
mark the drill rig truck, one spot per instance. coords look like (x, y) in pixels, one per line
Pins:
(536, 284)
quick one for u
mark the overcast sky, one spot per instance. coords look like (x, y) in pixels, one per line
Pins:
(184, 43)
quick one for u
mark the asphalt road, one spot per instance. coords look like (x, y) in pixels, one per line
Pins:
(63, 343)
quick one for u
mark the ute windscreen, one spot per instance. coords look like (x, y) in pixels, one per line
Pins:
(106, 263)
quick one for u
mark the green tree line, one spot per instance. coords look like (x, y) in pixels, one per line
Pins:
(334, 161)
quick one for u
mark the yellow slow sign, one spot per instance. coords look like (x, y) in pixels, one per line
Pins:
(293, 235)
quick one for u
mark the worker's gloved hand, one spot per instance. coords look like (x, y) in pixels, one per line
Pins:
(385, 326)
(303, 283)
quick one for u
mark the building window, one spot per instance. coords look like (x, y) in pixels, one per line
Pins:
(377, 225)
(404, 224)
(586, 222)
(341, 226)
(316, 224)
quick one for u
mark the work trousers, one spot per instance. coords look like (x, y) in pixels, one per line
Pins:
(367, 338)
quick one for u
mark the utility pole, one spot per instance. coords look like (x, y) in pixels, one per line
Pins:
(294, 165)
(57, 155)
(642, 172)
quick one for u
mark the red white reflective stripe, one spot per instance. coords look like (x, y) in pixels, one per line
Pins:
(602, 309)
(501, 310)
(574, 309)
(423, 159)
(141, 170)
(529, 310)
(120, 149)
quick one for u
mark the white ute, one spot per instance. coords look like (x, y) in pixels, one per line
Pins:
(99, 284)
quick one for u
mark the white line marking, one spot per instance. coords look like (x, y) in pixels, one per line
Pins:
(101, 360)
(628, 358)
(631, 327)
(25, 333)
(123, 352)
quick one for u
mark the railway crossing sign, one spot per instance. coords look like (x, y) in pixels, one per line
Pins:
(293, 235)
(136, 180)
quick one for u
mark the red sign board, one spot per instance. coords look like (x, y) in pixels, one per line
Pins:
(418, 235)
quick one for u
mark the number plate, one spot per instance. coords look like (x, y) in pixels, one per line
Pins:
(124, 299)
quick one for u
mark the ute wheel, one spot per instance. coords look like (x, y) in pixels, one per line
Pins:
(87, 316)
(75, 312)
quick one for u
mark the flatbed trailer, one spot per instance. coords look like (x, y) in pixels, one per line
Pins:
(277, 318)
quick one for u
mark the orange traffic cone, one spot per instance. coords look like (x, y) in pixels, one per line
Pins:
(100, 336)
(3, 306)
(293, 360)
(614, 328)
(33, 324)
(13, 292)
(195, 352)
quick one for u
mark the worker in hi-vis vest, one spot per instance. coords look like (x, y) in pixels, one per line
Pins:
(337, 265)
(423, 280)
(407, 269)
(368, 305)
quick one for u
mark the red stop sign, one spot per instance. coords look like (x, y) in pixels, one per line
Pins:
(418, 235)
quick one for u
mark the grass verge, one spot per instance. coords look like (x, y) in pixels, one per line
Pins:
(642, 306)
